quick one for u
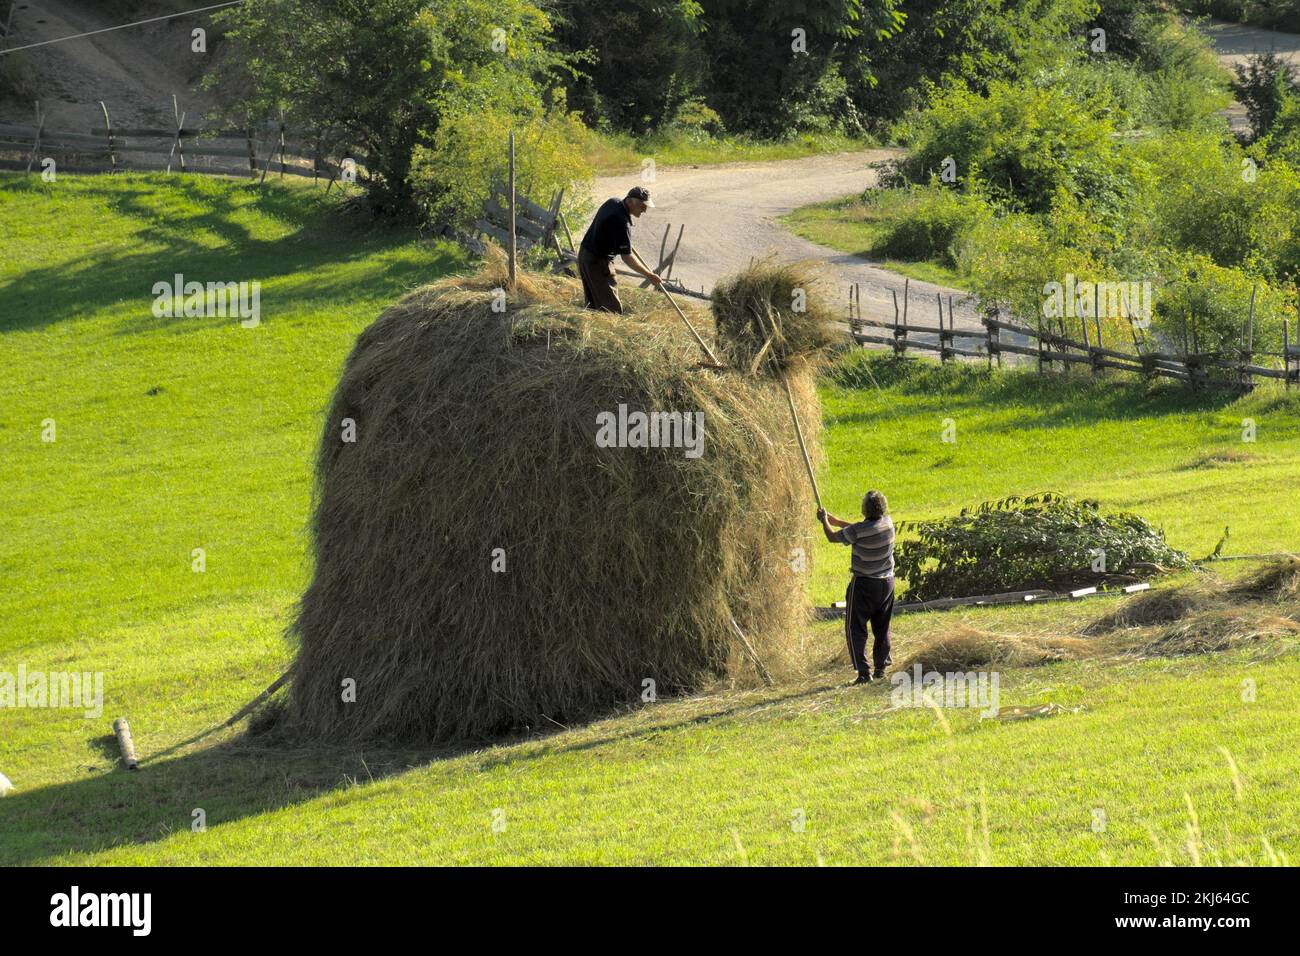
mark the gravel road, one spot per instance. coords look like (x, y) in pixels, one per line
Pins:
(731, 212)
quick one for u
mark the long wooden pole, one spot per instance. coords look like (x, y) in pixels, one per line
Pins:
(704, 345)
(751, 653)
(798, 433)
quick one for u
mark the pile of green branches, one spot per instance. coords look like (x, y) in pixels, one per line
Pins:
(1018, 543)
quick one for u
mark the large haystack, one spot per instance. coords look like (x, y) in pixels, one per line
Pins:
(476, 430)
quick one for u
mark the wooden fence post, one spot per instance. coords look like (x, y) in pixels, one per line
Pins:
(112, 141)
(282, 144)
(1286, 352)
(897, 330)
(40, 130)
(906, 297)
(1248, 378)
(512, 210)
(178, 148)
(943, 338)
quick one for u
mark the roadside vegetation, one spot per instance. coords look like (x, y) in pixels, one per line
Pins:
(1104, 166)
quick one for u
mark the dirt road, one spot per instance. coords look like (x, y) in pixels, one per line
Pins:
(731, 212)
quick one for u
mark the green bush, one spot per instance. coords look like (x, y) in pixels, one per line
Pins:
(1187, 86)
(1041, 541)
(1019, 144)
(1204, 305)
(1263, 84)
(1009, 259)
(18, 83)
(1204, 194)
(924, 221)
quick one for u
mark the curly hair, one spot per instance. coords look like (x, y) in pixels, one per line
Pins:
(874, 506)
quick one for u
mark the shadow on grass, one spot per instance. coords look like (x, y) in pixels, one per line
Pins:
(178, 220)
(243, 777)
(1047, 400)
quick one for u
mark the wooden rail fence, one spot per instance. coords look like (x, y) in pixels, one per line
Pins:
(1049, 346)
(252, 152)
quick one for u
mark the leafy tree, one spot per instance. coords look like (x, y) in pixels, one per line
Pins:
(639, 63)
(777, 69)
(1019, 144)
(381, 75)
(969, 41)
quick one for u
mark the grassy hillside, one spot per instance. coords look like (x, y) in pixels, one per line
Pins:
(176, 434)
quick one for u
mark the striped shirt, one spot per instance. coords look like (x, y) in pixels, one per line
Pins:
(873, 547)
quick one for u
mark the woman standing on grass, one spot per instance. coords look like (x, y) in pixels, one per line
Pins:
(870, 596)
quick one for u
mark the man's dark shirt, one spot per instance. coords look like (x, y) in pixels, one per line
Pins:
(610, 233)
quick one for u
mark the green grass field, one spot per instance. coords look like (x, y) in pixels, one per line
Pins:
(177, 434)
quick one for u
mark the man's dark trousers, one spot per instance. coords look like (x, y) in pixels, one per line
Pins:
(599, 287)
(869, 601)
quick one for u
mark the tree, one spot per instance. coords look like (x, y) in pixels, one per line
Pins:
(381, 75)
(777, 69)
(639, 62)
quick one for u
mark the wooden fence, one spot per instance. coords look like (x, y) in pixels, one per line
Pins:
(252, 152)
(1049, 346)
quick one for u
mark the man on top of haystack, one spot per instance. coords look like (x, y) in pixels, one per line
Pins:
(610, 234)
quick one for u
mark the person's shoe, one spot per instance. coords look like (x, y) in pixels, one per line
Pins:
(862, 679)
(880, 674)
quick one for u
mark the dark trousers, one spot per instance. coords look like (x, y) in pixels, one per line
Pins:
(599, 287)
(869, 601)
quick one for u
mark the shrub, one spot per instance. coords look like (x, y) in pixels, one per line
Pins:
(1263, 84)
(1204, 305)
(1206, 195)
(453, 177)
(924, 221)
(1018, 144)
(1009, 259)
(1044, 540)
(18, 81)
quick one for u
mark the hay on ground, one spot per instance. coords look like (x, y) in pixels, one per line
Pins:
(1217, 630)
(1160, 606)
(1277, 580)
(965, 648)
(482, 565)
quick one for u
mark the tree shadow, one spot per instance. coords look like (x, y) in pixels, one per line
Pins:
(201, 233)
(243, 777)
(1033, 401)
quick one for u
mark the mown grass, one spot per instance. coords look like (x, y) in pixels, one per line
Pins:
(613, 153)
(188, 433)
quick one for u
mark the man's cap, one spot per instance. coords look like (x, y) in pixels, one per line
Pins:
(641, 193)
